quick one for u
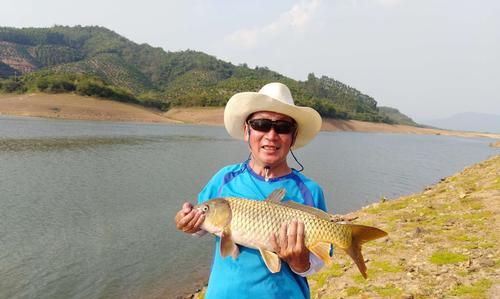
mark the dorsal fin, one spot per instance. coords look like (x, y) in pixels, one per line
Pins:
(277, 195)
(317, 212)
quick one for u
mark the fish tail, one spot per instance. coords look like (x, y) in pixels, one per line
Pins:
(360, 235)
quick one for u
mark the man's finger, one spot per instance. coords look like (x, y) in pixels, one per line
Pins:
(274, 242)
(185, 219)
(282, 236)
(300, 235)
(187, 207)
(192, 223)
(199, 221)
(292, 234)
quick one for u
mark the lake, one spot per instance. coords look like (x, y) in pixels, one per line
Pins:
(87, 208)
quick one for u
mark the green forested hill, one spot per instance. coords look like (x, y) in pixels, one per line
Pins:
(397, 116)
(97, 61)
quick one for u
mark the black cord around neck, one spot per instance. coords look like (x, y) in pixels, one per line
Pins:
(295, 158)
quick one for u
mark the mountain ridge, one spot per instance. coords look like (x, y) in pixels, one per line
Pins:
(97, 61)
(468, 121)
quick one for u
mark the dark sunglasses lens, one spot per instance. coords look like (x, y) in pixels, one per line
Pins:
(283, 127)
(262, 125)
(265, 125)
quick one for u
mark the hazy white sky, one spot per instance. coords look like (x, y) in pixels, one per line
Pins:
(428, 58)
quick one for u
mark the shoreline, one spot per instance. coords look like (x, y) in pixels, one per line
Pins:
(442, 243)
(76, 107)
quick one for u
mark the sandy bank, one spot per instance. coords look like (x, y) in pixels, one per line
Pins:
(70, 106)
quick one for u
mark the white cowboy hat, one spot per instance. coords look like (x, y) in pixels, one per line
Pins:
(275, 97)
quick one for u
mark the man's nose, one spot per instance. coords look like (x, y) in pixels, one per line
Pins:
(272, 134)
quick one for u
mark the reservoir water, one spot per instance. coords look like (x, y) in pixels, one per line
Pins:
(87, 208)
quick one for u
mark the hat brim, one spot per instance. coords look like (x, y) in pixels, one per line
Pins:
(241, 105)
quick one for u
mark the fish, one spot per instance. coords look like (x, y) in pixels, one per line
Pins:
(250, 223)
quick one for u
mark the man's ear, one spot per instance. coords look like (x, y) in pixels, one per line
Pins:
(246, 132)
(294, 137)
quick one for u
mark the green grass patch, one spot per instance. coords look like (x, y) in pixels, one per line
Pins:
(388, 206)
(384, 266)
(351, 291)
(321, 277)
(476, 205)
(360, 279)
(495, 185)
(486, 245)
(388, 291)
(481, 216)
(464, 238)
(475, 290)
(445, 257)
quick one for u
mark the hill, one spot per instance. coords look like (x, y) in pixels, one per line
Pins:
(469, 121)
(397, 116)
(99, 62)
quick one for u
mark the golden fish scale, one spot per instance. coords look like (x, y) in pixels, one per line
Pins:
(256, 220)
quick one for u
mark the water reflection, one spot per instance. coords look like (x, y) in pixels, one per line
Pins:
(82, 143)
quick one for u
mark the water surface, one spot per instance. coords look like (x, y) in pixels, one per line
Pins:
(86, 208)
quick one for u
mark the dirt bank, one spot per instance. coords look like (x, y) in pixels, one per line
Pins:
(443, 242)
(70, 106)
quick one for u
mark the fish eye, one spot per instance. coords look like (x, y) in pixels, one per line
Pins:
(204, 208)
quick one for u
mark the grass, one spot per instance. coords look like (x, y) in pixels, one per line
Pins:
(388, 290)
(465, 238)
(388, 206)
(475, 290)
(445, 257)
(351, 291)
(384, 266)
(334, 271)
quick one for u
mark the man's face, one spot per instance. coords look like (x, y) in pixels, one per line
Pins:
(269, 148)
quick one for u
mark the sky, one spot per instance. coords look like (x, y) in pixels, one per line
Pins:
(428, 58)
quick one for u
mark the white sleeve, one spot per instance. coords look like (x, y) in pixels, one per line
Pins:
(315, 265)
(199, 233)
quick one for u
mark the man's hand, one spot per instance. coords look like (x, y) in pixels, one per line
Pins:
(189, 220)
(290, 247)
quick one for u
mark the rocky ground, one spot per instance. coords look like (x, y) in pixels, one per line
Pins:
(442, 243)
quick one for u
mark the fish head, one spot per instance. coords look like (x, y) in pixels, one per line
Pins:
(217, 215)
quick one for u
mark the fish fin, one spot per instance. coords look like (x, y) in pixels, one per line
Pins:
(316, 212)
(227, 245)
(277, 195)
(271, 260)
(360, 235)
(322, 250)
(364, 233)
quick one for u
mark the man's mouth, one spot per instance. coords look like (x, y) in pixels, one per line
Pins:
(270, 147)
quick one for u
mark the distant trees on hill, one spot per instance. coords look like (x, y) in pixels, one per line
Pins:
(96, 61)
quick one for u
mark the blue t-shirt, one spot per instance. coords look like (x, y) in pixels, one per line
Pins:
(248, 276)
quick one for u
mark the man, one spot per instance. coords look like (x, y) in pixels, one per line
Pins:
(272, 125)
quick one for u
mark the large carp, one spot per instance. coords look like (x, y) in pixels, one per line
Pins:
(251, 222)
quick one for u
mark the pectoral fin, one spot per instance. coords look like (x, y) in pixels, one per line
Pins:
(271, 260)
(322, 250)
(227, 245)
(277, 195)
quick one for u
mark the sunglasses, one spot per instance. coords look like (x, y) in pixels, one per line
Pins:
(265, 125)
